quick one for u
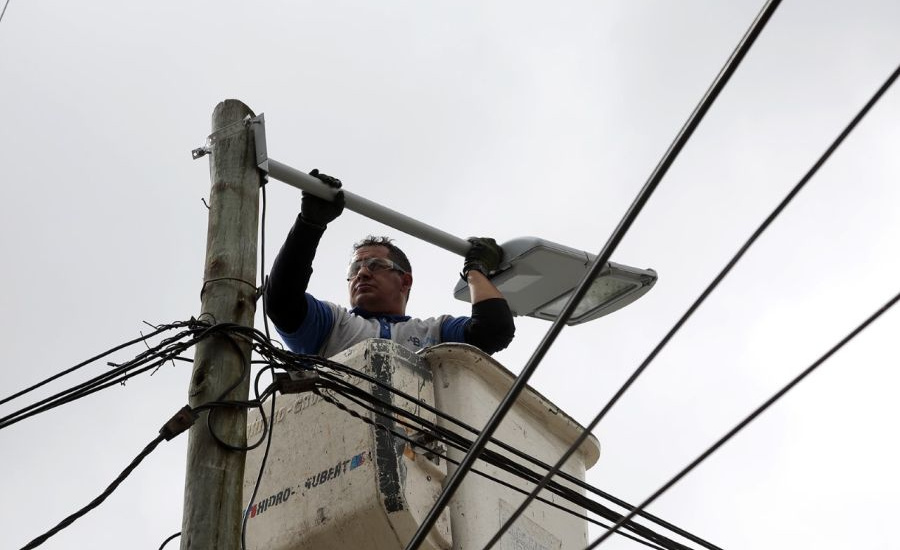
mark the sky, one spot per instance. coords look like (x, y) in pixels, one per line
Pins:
(499, 119)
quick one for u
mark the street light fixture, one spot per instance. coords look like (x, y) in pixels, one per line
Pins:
(537, 277)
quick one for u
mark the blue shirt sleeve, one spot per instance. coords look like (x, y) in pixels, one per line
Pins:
(310, 336)
(454, 330)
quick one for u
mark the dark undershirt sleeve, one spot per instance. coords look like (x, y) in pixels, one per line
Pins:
(491, 327)
(285, 292)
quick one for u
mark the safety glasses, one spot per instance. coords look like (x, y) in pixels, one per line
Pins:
(374, 265)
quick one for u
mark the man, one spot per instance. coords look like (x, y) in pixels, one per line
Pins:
(379, 280)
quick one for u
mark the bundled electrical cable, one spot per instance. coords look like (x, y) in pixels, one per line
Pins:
(331, 381)
(333, 384)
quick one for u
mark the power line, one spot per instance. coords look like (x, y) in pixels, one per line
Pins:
(179, 423)
(171, 538)
(283, 359)
(97, 501)
(329, 382)
(256, 403)
(262, 466)
(759, 410)
(4, 10)
(267, 433)
(150, 359)
(508, 448)
(87, 362)
(618, 234)
(500, 462)
(712, 286)
(265, 347)
(394, 413)
(182, 420)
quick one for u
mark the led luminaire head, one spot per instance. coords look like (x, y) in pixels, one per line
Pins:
(537, 277)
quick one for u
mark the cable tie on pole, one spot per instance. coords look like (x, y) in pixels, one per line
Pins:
(182, 420)
(226, 131)
(257, 292)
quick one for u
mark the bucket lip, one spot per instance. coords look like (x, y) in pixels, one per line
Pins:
(494, 373)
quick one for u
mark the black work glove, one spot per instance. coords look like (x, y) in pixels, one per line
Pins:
(321, 211)
(484, 256)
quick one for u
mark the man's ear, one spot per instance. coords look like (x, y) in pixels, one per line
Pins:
(407, 279)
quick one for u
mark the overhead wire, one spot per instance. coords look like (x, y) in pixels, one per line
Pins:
(176, 425)
(179, 423)
(393, 413)
(491, 459)
(275, 357)
(156, 356)
(513, 450)
(602, 258)
(245, 371)
(267, 434)
(2, 13)
(267, 428)
(331, 365)
(296, 362)
(264, 278)
(718, 279)
(99, 500)
(72, 369)
(751, 417)
(147, 360)
(150, 359)
(171, 538)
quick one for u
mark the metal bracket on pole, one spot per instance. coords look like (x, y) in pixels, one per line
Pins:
(200, 152)
(258, 125)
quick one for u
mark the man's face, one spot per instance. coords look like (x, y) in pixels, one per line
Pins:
(382, 291)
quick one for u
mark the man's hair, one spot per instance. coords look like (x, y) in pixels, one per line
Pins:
(394, 253)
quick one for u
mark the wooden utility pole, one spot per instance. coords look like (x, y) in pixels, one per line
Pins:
(215, 475)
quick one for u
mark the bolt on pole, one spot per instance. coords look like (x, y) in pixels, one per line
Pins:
(215, 475)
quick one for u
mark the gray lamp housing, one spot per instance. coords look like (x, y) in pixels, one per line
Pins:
(537, 277)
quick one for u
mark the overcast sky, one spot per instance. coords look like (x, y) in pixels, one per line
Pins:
(500, 119)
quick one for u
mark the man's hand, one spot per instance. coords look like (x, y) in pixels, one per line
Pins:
(321, 211)
(484, 256)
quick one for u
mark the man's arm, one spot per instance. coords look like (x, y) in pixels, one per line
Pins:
(491, 326)
(481, 288)
(285, 292)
